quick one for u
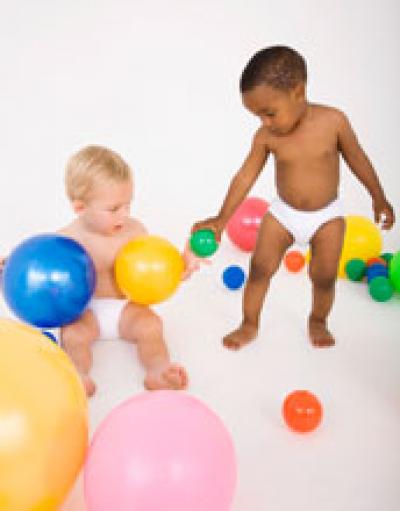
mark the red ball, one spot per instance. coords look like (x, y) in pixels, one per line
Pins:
(242, 228)
(294, 261)
(376, 260)
(302, 411)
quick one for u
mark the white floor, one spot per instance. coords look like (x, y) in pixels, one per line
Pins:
(352, 462)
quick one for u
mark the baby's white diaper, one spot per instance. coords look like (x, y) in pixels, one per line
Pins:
(108, 312)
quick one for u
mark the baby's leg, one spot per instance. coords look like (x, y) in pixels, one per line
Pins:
(76, 339)
(326, 247)
(141, 325)
(273, 241)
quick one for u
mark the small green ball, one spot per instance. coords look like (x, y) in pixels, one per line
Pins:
(355, 269)
(387, 256)
(380, 289)
(394, 271)
(203, 243)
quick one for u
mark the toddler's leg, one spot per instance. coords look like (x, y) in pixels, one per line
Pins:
(76, 339)
(141, 325)
(273, 241)
(326, 247)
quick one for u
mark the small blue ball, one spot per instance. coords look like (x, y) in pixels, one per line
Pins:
(51, 336)
(233, 277)
(376, 270)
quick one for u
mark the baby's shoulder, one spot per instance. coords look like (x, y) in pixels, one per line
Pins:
(135, 228)
(328, 114)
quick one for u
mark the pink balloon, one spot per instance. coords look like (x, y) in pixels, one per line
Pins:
(242, 228)
(161, 451)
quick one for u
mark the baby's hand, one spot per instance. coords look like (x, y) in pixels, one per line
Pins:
(192, 262)
(213, 223)
(383, 212)
(2, 263)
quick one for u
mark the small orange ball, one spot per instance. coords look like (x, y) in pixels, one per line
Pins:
(302, 411)
(294, 261)
(376, 260)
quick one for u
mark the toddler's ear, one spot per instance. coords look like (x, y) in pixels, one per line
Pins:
(78, 206)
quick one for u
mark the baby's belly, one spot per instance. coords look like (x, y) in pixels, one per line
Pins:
(106, 286)
(308, 191)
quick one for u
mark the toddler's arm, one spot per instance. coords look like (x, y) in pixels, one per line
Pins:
(362, 168)
(239, 186)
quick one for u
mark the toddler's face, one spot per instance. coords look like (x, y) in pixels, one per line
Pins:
(108, 208)
(280, 111)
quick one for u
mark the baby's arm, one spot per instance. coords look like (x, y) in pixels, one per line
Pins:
(240, 185)
(362, 168)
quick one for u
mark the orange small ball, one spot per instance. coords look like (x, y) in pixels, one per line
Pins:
(294, 261)
(376, 260)
(302, 411)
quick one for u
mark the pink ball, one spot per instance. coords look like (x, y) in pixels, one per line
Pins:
(161, 451)
(242, 228)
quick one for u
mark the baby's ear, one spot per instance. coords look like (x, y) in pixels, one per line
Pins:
(78, 206)
(300, 90)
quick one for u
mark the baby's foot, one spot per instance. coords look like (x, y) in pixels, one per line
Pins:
(166, 376)
(240, 337)
(320, 336)
(88, 383)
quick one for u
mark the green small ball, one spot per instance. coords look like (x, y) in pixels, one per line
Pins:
(203, 243)
(387, 256)
(394, 271)
(355, 269)
(380, 289)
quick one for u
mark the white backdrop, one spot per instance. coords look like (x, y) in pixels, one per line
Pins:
(158, 82)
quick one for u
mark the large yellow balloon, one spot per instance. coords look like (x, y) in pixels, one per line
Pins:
(43, 421)
(362, 240)
(148, 269)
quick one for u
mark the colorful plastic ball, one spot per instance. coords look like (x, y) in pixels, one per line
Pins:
(161, 450)
(380, 289)
(362, 240)
(294, 261)
(355, 269)
(233, 277)
(394, 271)
(242, 228)
(203, 243)
(376, 270)
(148, 269)
(302, 411)
(51, 336)
(43, 421)
(376, 260)
(48, 280)
(387, 256)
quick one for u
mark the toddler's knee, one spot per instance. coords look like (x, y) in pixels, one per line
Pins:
(322, 279)
(261, 270)
(77, 335)
(151, 323)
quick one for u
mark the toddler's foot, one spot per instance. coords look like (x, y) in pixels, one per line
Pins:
(88, 383)
(320, 336)
(166, 376)
(240, 337)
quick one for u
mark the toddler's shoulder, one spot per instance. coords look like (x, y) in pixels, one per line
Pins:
(330, 113)
(135, 228)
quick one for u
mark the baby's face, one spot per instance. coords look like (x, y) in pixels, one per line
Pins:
(107, 209)
(280, 111)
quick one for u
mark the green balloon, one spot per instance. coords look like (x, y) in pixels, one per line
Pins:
(394, 271)
(380, 289)
(203, 243)
(355, 269)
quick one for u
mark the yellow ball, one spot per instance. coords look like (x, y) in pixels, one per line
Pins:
(148, 269)
(362, 240)
(43, 421)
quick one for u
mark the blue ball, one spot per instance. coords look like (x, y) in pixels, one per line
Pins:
(376, 270)
(48, 280)
(51, 336)
(233, 277)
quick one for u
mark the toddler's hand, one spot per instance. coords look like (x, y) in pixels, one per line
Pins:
(192, 262)
(2, 263)
(383, 212)
(212, 223)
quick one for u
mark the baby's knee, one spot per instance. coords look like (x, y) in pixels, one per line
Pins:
(323, 278)
(77, 335)
(261, 270)
(149, 324)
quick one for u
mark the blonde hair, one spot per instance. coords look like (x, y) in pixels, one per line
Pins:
(90, 164)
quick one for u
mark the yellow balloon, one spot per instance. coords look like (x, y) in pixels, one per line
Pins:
(362, 240)
(43, 421)
(148, 269)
